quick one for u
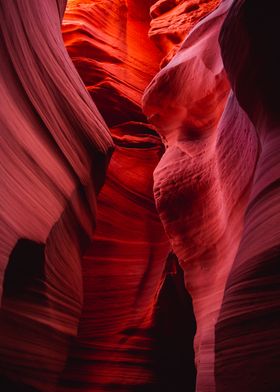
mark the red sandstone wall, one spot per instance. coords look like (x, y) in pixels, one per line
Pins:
(203, 181)
(54, 150)
(196, 171)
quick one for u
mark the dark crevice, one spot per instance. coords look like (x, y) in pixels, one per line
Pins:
(175, 328)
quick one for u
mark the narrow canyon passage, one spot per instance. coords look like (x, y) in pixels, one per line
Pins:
(139, 178)
(124, 267)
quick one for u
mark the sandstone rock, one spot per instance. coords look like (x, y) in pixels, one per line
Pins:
(247, 332)
(122, 273)
(172, 20)
(94, 271)
(203, 180)
(108, 42)
(54, 151)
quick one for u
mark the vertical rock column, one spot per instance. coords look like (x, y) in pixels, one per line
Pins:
(203, 180)
(54, 150)
(123, 268)
(247, 332)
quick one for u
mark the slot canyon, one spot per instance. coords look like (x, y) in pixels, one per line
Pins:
(140, 196)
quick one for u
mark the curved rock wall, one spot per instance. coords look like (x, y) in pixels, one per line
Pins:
(124, 266)
(108, 42)
(196, 171)
(247, 332)
(203, 180)
(123, 270)
(172, 20)
(54, 151)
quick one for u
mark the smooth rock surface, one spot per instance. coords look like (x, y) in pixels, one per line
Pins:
(55, 147)
(203, 180)
(247, 332)
(123, 270)
(92, 297)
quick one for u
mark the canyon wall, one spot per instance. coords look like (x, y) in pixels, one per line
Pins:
(216, 190)
(247, 332)
(199, 195)
(55, 147)
(107, 257)
(123, 268)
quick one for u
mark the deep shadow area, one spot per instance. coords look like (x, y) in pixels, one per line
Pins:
(23, 283)
(175, 328)
(7, 385)
(25, 269)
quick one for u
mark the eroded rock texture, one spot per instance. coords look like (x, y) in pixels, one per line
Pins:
(108, 42)
(247, 333)
(202, 182)
(214, 197)
(172, 20)
(54, 149)
(119, 72)
(123, 270)
(124, 266)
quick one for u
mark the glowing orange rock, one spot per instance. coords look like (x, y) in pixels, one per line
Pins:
(123, 271)
(216, 189)
(172, 20)
(123, 268)
(108, 42)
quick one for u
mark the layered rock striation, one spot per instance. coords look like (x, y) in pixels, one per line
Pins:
(203, 181)
(91, 295)
(108, 43)
(247, 332)
(172, 20)
(123, 269)
(55, 147)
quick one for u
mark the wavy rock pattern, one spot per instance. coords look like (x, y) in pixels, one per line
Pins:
(108, 42)
(135, 256)
(247, 333)
(123, 270)
(54, 149)
(172, 20)
(123, 267)
(86, 284)
(203, 180)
